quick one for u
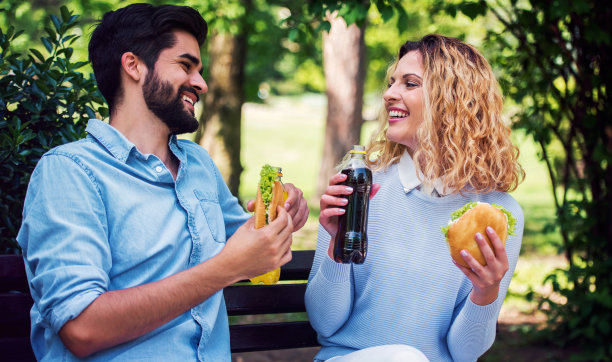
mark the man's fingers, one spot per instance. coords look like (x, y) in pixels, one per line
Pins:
(293, 194)
(251, 206)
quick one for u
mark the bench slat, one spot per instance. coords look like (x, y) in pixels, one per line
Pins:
(15, 314)
(12, 274)
(269, 336)
(262, 299)
(16, 349)
(299, 266)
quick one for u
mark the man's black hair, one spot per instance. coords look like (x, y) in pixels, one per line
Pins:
(142, 29)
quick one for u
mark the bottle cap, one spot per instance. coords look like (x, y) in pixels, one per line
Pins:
(358, 149)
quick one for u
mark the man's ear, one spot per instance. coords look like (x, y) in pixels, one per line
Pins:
(133, 66)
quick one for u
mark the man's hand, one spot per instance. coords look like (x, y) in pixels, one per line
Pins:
(251, 252)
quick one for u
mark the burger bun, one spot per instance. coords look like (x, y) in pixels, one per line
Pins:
(462, 233)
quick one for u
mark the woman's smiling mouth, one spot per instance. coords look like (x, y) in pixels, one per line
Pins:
(396, 114)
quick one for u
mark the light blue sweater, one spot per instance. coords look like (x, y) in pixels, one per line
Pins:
(407, 291)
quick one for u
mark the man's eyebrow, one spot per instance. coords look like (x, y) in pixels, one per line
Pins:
(192, 59)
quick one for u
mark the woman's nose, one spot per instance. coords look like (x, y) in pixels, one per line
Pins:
(390, 94)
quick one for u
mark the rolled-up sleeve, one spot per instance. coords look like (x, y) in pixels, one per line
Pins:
(64, 238)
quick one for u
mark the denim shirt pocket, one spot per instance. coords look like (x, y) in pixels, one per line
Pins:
(212, 211)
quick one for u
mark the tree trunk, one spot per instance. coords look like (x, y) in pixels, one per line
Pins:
(344, 66)
(219, 131)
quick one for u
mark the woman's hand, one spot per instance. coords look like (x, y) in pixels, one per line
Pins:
(332, 205)
(486, 279)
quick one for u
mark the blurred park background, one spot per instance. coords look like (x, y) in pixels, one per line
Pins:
(292, 85)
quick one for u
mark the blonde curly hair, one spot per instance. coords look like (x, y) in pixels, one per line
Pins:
(462, 140)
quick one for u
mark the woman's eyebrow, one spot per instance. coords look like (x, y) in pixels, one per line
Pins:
(411, 74)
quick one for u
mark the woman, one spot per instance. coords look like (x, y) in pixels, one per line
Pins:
(440, 144)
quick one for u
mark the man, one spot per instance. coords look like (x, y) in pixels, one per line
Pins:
(130, 234)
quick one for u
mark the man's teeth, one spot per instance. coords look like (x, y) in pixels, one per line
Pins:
(397, 114)
(185, 98)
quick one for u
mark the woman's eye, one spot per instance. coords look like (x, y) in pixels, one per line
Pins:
(411, 84)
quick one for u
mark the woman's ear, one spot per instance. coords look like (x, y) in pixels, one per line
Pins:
(133, 66)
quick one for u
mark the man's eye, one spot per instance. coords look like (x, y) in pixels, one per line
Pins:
(185, 65)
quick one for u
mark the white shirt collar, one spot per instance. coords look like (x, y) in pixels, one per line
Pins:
(410, 180)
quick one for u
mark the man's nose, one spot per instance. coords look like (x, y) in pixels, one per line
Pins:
(198, 82)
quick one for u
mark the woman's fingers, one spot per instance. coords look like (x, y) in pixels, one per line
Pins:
(485, 248)
(337, 178)
(374, 190)
(498, 245)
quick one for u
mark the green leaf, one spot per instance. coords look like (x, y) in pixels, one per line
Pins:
(47, 45)
(402, 20)
(385, 10)
(38, 55)
(472, 9)
(324, 26)
(73, 19)
(293, 34)
(65, 14)
(52, 34)
(56, 22)
(67, 38)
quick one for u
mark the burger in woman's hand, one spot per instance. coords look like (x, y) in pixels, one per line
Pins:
(474, 217)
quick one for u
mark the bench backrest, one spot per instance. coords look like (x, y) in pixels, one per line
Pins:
(15, 304)
(241, 299)
(285, 297)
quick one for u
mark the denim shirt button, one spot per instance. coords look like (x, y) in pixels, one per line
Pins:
(159, 169)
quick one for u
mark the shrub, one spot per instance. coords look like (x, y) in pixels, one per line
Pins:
(45, 101)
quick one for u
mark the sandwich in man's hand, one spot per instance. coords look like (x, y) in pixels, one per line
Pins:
(270, 195)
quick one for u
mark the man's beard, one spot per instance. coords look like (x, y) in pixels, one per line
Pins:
(170, 109)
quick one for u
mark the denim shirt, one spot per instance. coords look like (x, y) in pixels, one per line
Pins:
(99, 216)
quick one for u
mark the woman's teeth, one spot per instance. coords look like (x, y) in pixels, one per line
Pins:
(397, 114)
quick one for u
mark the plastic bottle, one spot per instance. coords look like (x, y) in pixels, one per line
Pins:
(351, 242)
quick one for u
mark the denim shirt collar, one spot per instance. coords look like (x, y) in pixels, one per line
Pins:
(411, 180)
(119, 146)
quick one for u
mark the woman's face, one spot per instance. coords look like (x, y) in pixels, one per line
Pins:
(403, 100)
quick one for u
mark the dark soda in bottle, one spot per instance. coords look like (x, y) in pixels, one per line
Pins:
(351, 242)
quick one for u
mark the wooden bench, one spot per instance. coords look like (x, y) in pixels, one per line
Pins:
(241, 299)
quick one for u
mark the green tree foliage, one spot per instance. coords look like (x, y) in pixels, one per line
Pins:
(45, 101)
(555, 57)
